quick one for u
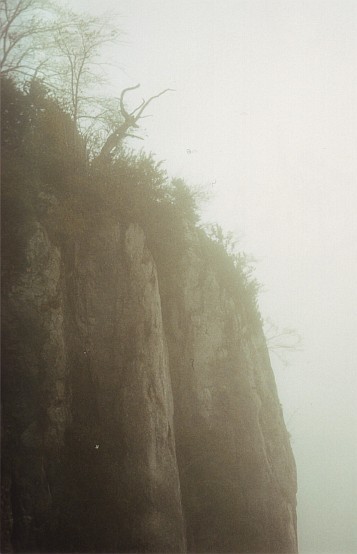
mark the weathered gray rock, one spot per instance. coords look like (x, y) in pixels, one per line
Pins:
(35, 400)
(237, 470)
(119, 336)
(132, 426)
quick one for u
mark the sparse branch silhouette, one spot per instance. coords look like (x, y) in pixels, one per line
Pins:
(130, 121)
(281, 341)
(20, 24)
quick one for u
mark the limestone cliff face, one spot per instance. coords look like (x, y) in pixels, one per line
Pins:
(132, 422)
(35, 403)
(237, 471)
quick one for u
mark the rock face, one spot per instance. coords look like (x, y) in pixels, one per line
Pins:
(133, 423)
(237, 471)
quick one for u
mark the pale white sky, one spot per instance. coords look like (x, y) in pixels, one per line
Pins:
(266, 94)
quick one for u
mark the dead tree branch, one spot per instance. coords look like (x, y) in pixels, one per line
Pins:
(130, 121)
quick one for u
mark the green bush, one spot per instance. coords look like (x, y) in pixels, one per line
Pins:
(44, 157)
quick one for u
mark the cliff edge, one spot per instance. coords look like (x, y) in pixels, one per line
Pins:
(139, 407)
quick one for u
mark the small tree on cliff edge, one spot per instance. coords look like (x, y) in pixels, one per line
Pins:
(64, 50)
(129, 121)
(61, 48)
(22, 29)
(281, 342)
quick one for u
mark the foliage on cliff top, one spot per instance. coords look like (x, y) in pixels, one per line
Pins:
(57, 128)
(47, 175)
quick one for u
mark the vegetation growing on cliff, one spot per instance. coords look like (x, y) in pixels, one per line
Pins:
(133, 396)
(46, 172)
(53, 163)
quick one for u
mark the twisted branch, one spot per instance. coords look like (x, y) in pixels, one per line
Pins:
(130, 121)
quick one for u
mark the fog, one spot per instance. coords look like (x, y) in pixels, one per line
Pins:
(264, 117)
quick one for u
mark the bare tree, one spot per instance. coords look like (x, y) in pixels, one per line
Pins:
(281, 342)
(22, 28)
(129, 121)
(64, 50)
(78, 67)
(39, 39)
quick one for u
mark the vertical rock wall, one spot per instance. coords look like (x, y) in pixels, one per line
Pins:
(119, 348)
(124, 432)
(237, 470)
(88, 410)
(35, 399)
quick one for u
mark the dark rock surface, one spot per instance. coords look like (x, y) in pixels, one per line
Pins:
(134, 423)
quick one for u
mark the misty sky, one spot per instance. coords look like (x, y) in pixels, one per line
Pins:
(266, 101)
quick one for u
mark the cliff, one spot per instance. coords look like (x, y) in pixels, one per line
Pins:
(139, 407)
